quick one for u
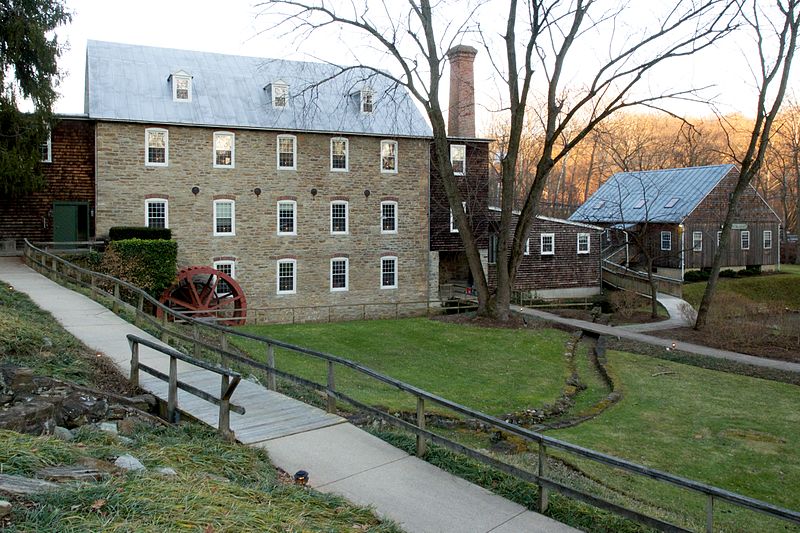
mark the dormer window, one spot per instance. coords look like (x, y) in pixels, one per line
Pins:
(280, 94)
(367, 100)
(181, 86)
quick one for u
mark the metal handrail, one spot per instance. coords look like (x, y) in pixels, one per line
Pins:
(711, 492)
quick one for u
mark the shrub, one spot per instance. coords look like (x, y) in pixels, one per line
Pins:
(624, 302)
(149, 264)
(693, 276)
(728, 273)
(121, 233)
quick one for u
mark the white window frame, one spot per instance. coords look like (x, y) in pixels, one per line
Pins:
(552, 238)
(293, 203)
(744, 236)
(181, 76)
(346, 154)
(293, 138)
(527, 246)
(147, 133)
(278, 264)
(346, 274)
(274, 91)
(367, 97)
(697, 241)
(233, 149)
(453, 228)
(147, 203)
(668, 236)
(719, 238)
(588, 247)
(233, 218)
(491, 255)
(346, 217)
(49, 143)
(396, 263)
(464, 161)
(396, 221)
(765, 240)
(226, 262)
(396, 163)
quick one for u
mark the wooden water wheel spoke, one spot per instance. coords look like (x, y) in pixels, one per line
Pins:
(196, 289)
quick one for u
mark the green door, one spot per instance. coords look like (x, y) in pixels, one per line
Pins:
(70, 221)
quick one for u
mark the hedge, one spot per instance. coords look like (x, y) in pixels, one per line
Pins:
(149, 264)
(121, 233)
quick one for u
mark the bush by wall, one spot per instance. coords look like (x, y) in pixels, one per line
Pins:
(120, 233)
(149, 264)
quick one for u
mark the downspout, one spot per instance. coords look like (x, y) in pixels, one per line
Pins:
(627, 251)
(779, 247)
(683, 250)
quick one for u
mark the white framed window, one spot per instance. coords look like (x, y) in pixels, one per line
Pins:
(547, 243)
(666, 240)
(389, 217)
(640, 204)
(339, 154)
(453, 227)
(744, 240)
(339, 273)
(286, 276)
(458, 158)
(367, 100)
(156, 147)
(181, 87)
(584, 243)
(287, 217)
(287, 152)
(697, 241)
(389, 157)
(389, 272)
(224, 217)
(224, 149)
(527, 246)
(767, 239)
(226, 267)
(280, 95)
(492, 252)
(339, 217)
(719, 238)
(156, 213)
(46, 149)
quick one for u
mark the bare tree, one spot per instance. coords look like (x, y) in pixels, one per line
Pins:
(773, 68)
(539, 42)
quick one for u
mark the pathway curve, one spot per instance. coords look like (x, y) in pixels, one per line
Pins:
(620, 332)
(339, 457)
(674, 307)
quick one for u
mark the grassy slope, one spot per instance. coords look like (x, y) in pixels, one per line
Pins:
(225, 486)
(496, 371)
(783, 288)
(736, 432)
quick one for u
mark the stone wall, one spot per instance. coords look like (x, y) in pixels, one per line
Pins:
(124, 182)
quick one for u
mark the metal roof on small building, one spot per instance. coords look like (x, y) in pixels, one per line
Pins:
(662, 196)
(132, 83)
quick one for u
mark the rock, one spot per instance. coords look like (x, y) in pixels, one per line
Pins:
(79, 409)
(109, 427)
(99, 464)
(125, 440)
(129, 462)
(34, 418)
(71, 473)
(22, 486)
(143, 402)
(63, 433)
(167, 471)
(16, 380)
(5, 508)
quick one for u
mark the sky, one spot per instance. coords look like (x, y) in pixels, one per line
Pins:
(233, 27)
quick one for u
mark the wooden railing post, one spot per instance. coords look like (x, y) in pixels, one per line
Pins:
(134, 363)
(164, 333)
(709, 513)
(140, 305)
(94, 286)
(543, 492)
(115, 301)
(223, 344)
(196, 337)
(422, 444)
(331, 389)
(271, 366)
(172, 394)
(225, 409)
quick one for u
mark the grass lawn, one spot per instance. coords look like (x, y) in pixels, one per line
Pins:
(735, 432)
(493, 370)
(783, 288)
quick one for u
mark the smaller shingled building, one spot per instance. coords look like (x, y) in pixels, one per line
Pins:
(679, 213)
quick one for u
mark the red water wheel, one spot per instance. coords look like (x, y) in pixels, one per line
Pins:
(202, 291)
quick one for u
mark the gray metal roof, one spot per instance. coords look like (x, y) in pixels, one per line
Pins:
(651, 195)
(131, 83)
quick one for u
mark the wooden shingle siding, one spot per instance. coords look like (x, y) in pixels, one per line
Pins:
(70, 177)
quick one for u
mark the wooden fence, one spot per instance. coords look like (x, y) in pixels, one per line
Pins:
(631, 280)
(61, 270)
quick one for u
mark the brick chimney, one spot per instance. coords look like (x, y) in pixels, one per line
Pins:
(461, 115)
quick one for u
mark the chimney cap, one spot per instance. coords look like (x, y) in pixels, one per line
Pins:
(462, 49)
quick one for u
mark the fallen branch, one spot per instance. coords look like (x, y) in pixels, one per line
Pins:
(662, 373)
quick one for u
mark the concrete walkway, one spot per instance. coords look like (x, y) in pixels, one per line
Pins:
(674, 306)
(339, 457)
(623, 333)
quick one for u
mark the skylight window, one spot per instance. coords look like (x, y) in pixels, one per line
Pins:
(672, 202)
(639, 204)
(599, 205)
